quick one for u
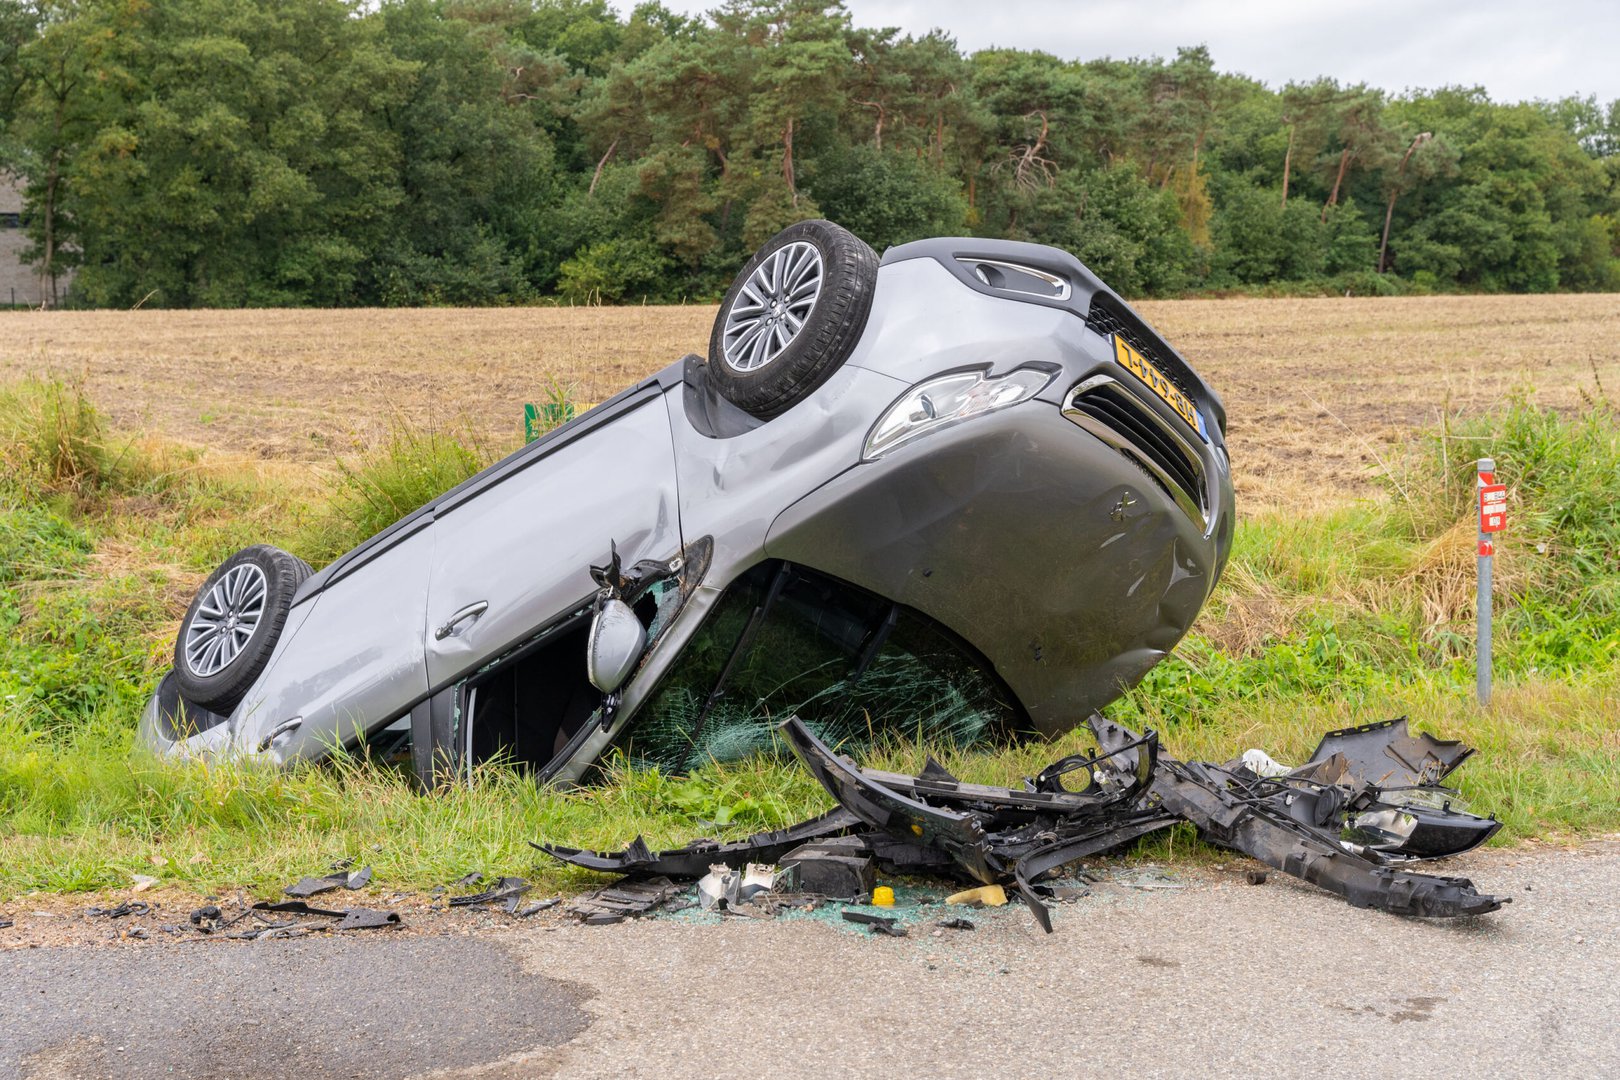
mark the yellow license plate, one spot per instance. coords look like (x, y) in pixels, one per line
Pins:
(1135, 363)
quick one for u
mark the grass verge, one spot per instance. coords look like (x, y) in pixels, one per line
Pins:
(1322, 622)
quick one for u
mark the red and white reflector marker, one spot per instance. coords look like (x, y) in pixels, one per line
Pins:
(1492, 505)
(1492, 519)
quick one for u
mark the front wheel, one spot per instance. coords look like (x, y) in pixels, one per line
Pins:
(233, 624)
(792, 317)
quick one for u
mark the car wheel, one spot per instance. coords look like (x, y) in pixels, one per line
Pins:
(232, 625)
(792, 317)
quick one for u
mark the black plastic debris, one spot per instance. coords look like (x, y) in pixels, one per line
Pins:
(129, 907)
(1381, 785)
(1369, 800)
(624, 899)
(537, 907)
(298, 907)
(877, 924)
(697, 858)
(507, 890)
(839, 866)
(367, 919)
(306, 887)
(1236, 808)
(310, 886)
(6, 924)
(995, 834)
(347, 919)
(340, 879)
(1387, 755)
(956, 924)
(1283, 821)
(207, 918)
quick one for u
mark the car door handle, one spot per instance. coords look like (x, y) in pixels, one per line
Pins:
(278, 731)
(466, 614)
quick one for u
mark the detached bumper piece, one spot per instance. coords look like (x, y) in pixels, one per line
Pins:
(1369, 799)
(1299, 830)
(995, 834)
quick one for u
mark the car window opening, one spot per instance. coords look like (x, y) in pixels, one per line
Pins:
(526, 709)
(854, 666)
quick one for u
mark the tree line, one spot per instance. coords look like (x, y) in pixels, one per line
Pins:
(327, 152)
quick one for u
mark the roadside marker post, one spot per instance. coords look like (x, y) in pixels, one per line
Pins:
(1492, 519)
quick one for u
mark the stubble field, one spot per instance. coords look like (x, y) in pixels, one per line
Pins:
(1319, 392)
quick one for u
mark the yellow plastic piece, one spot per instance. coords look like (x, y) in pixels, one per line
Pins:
(883, 896)
(983, 896)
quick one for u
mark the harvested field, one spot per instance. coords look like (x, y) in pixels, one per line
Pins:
(1318, 391)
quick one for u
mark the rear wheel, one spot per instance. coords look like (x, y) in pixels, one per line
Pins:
(792, 317)
(233, 624)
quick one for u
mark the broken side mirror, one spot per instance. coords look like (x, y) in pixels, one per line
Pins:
(616, 643)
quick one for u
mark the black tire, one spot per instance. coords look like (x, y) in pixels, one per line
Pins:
(209, 678)
(826, 337)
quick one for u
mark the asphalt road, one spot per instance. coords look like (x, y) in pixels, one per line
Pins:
(348, 1006)
(1214, 977)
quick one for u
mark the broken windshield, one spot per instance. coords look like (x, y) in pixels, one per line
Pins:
(853, 666)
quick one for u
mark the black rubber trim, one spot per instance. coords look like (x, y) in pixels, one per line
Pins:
(709, 413)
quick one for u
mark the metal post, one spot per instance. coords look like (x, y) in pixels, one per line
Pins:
(1482, 606)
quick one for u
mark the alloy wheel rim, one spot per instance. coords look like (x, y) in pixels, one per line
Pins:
(225, 620)
(772, 307)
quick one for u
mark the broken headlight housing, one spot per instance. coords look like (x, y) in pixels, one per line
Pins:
(948, 399)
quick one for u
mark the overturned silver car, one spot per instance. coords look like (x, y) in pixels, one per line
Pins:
(964, 490)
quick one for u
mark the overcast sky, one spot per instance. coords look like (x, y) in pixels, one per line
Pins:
(1516, 49)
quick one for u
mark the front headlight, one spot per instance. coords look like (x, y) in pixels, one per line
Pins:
(943, 401)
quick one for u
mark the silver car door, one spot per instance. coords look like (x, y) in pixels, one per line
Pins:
(352, 664)
(512, 557)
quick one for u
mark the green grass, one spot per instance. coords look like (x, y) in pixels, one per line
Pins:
(51, 440)
(1321, 622)
(387, 482)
